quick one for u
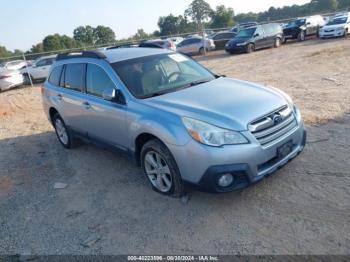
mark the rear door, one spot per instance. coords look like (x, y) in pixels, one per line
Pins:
(71, 97)
(106, 119)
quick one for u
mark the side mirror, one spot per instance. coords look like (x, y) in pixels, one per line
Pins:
(109, 94)
(256, 35)
(308, 23)
(113, 95)
(33, 65)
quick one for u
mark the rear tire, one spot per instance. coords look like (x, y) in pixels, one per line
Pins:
(160, 168)
(201, 51)
(250, 48)
(62, 132)
(26, 80)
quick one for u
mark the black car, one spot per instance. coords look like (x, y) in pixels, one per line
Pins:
(221, 38)
(303, 27)
(256, 37)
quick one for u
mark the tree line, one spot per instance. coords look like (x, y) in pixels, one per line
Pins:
(197, 16)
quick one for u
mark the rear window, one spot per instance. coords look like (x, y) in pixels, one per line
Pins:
(74, 76)
(56, 75)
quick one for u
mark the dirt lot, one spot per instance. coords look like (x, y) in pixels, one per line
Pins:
(302, 209)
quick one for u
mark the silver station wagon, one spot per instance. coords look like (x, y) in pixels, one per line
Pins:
(179, 121)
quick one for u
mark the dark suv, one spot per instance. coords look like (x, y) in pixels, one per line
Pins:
(256, 37)
(302, 27)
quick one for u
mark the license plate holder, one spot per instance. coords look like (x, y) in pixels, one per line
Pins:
(284, 150)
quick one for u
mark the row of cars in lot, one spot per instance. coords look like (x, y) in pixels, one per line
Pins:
(19, 72)
(245, 37)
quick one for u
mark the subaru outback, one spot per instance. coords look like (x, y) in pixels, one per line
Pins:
(179, 121)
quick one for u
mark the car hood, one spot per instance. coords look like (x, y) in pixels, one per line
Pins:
(239, 40)
(224, 102)
(330, 27)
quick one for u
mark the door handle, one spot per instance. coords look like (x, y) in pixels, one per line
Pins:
(86, 105)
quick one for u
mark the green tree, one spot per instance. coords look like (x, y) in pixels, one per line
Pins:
(38, 48)
(140, 34)
(103, 35)
(344, 4)
(199, 11)
(324, 5)
(4, 52)
(168, 25)
(84, 34)
(222, 17)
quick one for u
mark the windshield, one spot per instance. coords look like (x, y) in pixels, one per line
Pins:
(159, 74)
(297, 23)
(338, 21)
(246, 32)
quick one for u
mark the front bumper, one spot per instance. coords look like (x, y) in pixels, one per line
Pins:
(235, 49)
(334, 33)
(202, 165)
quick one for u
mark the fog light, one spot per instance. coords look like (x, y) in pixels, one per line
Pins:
(225, 180)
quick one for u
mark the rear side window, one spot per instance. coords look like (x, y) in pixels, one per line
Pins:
(56, 75)
(74, 76)
(97, 80)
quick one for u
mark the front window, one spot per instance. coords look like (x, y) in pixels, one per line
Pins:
(338, 21)
(246, 32)
(159, 74)
(297, 23)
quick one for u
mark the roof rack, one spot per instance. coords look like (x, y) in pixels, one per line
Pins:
(89, 54)
(151, 45)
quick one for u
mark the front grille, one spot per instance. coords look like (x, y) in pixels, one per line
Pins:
(273, 126)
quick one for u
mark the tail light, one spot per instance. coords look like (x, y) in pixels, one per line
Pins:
(4, 76)
(42, 89)
(169, 45)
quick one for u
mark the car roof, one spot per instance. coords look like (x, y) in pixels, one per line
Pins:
(121, 54)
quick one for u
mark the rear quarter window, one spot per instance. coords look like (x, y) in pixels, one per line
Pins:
(74, 76)
(55, 76)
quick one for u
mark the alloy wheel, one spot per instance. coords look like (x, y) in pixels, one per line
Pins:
(158, 171)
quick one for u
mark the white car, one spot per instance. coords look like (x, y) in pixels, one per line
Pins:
(10, 79)
(39, 70)
(12, 65)
(337, 26)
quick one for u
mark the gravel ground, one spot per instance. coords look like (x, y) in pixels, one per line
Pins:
(107, 206)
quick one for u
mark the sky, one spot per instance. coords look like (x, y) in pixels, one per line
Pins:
(24, 23)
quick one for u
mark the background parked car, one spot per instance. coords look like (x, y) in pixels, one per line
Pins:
(241, 26)
(39, 70)
(13, 65)
(166, 43)
(337, 26)
(302, 27)
(221, 38)
(195, 45)
(253, 38)
(10, 78)
(176, 40)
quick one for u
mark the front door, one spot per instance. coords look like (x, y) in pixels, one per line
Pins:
(106, 119)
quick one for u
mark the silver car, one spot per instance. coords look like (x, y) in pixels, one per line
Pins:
(195, 46)
(177, 120)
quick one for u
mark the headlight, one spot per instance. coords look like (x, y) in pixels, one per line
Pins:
(340, 28)
(212, 135)
(240, 44)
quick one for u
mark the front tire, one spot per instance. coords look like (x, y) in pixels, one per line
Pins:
(277, 42)
(160, 168)
(62, 132)
(201, 51)
(301, 36)
(250, 48)
(26, 80)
